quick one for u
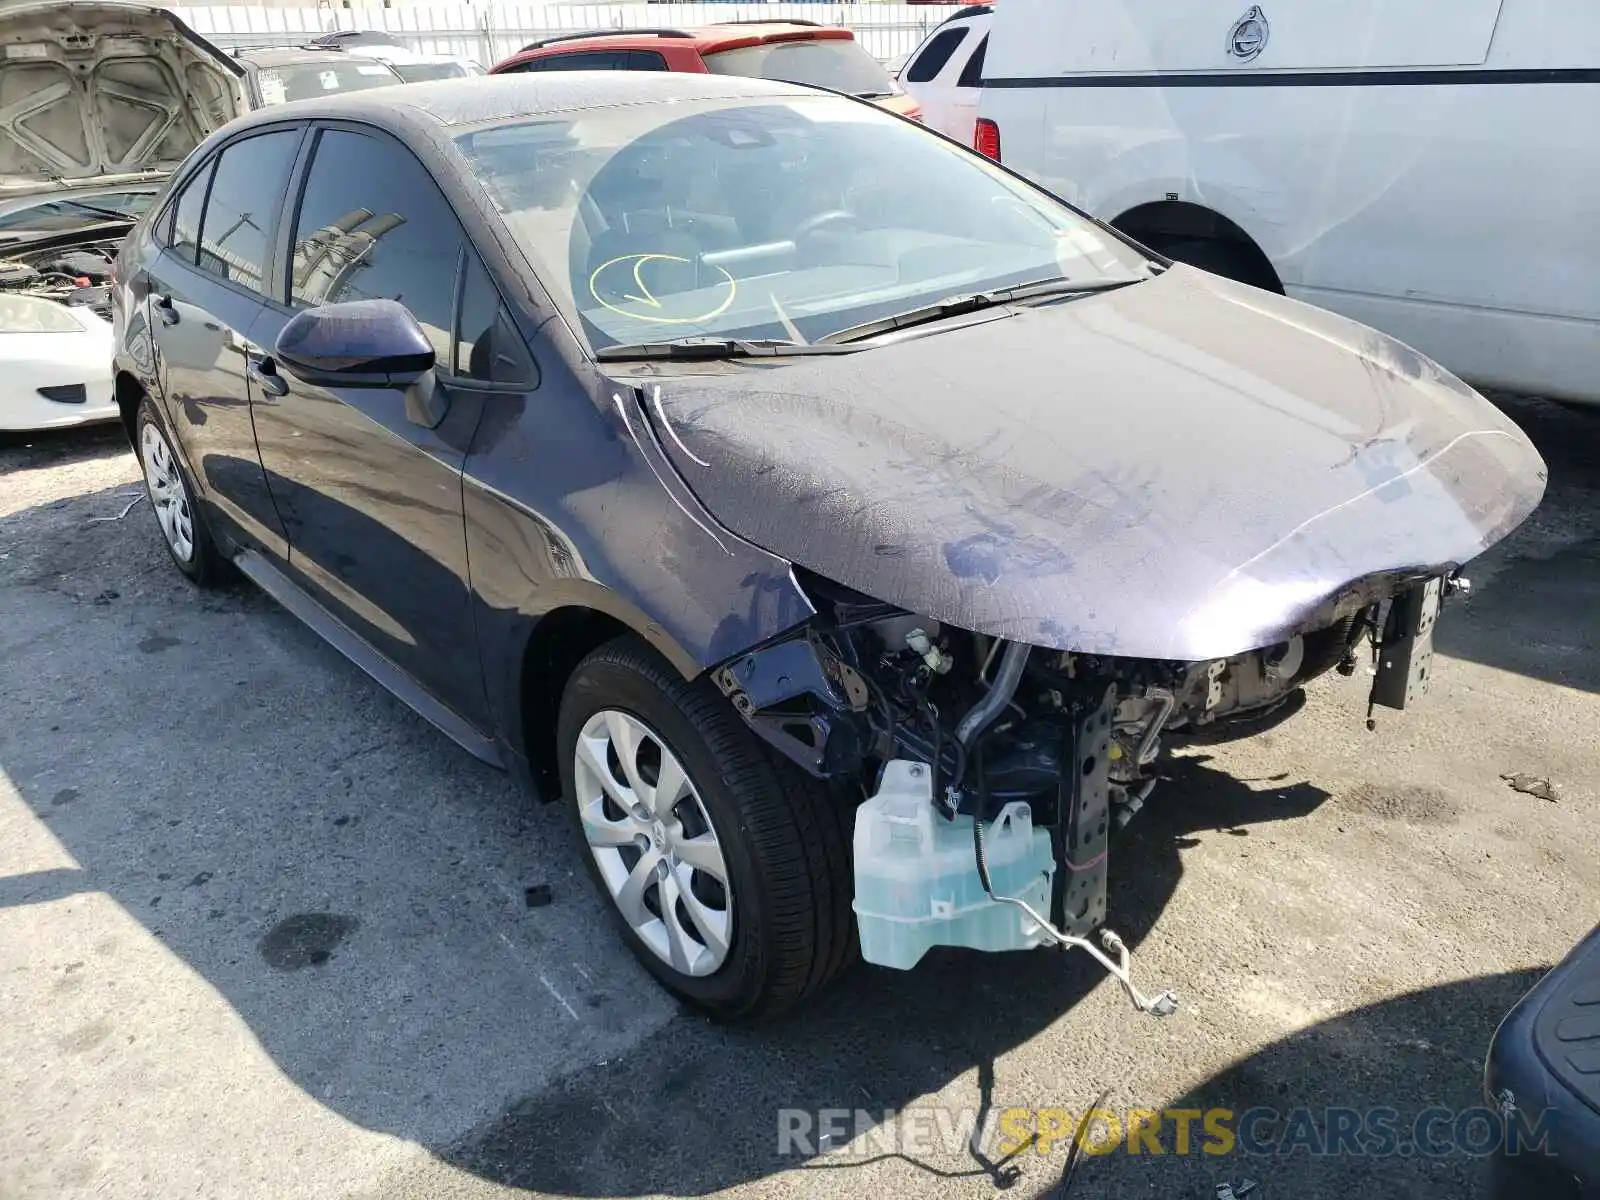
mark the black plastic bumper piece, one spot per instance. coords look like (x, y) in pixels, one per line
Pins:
(65, 393)
(1543, 1070)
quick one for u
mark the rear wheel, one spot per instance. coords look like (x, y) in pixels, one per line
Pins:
(727, 868)
(1231, 260)
(171, 496)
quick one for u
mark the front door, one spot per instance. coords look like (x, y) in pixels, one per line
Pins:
(369, 495)
(205, 296)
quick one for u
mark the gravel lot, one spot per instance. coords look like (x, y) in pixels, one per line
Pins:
(263, 932)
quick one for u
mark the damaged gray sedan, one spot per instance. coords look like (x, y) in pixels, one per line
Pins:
(841, 526)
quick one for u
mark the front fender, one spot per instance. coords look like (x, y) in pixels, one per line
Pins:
(570, 503)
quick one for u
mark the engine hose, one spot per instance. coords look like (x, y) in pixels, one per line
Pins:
(1006, 678)
(977, 825)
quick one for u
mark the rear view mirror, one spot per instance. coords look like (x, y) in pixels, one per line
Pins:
(360, 343)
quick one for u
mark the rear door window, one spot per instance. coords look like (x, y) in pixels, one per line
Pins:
(183, 236)
(246, 194)
(935, 54)
(373, 224)
(584, 60)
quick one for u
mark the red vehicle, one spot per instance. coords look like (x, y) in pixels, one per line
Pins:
(792, 51)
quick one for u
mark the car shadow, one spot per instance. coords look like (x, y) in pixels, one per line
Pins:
(1413, 1053)
(53, 447)
(345, 878)
(1535, 609)
(877, 1042)
(388, 870)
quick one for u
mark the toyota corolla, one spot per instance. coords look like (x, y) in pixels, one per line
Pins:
(838, 525)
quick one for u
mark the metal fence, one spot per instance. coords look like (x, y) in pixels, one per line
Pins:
(490, 32)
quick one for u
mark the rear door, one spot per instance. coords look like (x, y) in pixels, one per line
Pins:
(370, 498)
(205, 297)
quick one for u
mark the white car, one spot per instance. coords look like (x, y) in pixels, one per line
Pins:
(55, 365)
(943, 74)
(417, 66)
(1429, 170)
(68, 199)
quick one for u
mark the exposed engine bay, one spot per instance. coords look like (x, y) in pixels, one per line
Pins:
(1075, 737)
(70, 269)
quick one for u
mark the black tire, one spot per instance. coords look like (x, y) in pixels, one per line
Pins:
(783, 835)
(204, 564)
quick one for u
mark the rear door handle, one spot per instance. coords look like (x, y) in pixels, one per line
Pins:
(264, 374)
(169, 314)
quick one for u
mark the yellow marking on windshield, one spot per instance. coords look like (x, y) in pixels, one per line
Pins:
(643, 295)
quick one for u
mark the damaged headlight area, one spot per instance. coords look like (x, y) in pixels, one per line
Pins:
(991, 770)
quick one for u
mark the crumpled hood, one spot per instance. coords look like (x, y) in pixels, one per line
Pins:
(1184, 468)
(105, 90)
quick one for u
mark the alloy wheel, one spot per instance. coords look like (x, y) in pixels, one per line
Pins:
(168, 494)
(654, 843)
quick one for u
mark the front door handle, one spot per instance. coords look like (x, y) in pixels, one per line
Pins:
(169, 314)
(264, 374)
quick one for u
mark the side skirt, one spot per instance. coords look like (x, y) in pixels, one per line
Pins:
(343, 639)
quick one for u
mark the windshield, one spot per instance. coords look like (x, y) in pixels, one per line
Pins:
(835, 63)
(791, 218)
(422, 72)
(64, 214)
(301, 81)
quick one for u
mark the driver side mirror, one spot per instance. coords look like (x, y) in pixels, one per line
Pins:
(358, 343)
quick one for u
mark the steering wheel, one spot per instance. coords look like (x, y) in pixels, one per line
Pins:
(821, 220)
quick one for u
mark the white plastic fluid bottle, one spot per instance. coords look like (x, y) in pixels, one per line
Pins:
(916, 874)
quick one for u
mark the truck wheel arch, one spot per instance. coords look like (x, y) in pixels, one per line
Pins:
(1201, 236)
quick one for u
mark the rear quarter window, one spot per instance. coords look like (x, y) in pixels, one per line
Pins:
(935, 54)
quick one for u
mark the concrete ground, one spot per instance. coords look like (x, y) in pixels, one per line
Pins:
(263, 932)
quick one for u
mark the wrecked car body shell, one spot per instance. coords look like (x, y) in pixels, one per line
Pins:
(1183, 469)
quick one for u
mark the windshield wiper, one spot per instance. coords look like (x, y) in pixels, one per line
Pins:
(955, 306)
(714, 347)
(105, 214)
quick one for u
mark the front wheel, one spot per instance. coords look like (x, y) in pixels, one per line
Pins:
(727, 868)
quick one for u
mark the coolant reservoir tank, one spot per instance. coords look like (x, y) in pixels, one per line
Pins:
(916, 876)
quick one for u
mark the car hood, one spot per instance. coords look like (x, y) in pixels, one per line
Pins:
(1185, 468)
(105, 91)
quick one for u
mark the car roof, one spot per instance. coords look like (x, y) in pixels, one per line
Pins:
(283, 56)
(490, 99)
(358, 37)
(704, 39)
